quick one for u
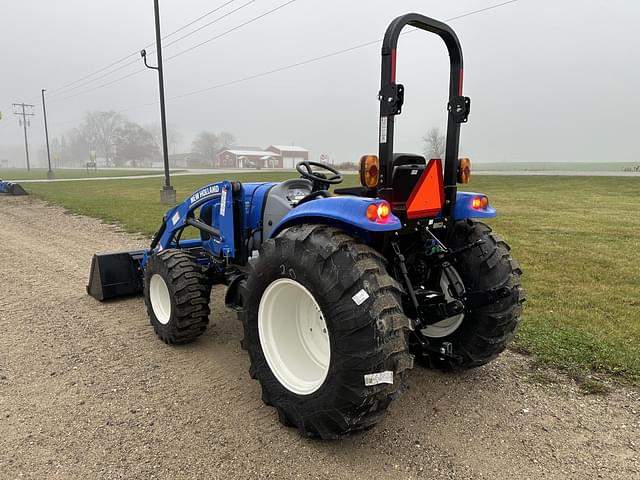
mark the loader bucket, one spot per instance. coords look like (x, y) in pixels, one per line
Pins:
(11, 188)
(115, 274)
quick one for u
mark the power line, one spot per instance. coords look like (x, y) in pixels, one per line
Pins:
(328, 55)
(210, 23)
(233, 29)
(311, 60)
(135, 60)
(93, 73)
(182, 52)
(280, 69)
(293, 65)
(137, 52)
(89, 90)
(195, 20)
(480, 10)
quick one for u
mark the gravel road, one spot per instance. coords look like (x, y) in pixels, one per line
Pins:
(88, 392)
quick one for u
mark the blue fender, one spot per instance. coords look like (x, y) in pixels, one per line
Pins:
(463, 208)
(345, 210)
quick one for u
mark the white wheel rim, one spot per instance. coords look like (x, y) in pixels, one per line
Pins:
(448, 325)
(160, 299)
(293, 336)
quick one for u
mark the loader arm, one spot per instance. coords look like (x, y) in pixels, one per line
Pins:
(221, 238)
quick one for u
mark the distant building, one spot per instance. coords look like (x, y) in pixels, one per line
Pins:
(289, 155)
(274, 156)
(247, 158)
(187, 160)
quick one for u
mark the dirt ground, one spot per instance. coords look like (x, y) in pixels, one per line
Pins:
(87, 391)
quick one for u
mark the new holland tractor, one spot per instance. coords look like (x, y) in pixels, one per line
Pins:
(11, 188)
(338, 289)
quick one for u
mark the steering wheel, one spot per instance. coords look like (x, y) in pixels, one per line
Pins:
(304, 169)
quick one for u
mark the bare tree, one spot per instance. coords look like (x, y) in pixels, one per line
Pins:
(174, 136)
(206, 144)
(76, 149)
(226, 140)
(434, 143)
(134, 145)
(98, 131)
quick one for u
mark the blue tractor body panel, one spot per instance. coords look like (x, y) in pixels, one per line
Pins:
(463, 208)
(349, 211)
(234, 212)
(255, 196)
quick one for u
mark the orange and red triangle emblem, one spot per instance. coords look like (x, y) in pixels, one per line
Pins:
(428, 195)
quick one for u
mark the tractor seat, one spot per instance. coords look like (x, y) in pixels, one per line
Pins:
(407, 170)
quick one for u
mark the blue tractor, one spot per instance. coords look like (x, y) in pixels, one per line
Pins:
(338, 290)
(11, 188)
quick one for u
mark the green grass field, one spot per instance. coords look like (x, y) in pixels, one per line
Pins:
(577, 239)
(554, 166)
(41, 173)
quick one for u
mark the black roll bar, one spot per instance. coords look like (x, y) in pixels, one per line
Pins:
(391, 97)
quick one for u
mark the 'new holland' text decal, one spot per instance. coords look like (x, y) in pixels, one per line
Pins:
(204, 192)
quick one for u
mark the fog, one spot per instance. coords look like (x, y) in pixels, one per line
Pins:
(548, 80)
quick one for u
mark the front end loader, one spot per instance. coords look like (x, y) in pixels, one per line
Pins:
(11, 188)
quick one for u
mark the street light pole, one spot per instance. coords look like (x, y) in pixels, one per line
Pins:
(46, 135)
(167, 194)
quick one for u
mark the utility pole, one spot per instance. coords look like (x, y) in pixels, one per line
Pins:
(46, 135)
(167, 194)
(24, 114)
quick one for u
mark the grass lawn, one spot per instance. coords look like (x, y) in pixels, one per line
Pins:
(41, 173)
(555, 166)
(577, 239)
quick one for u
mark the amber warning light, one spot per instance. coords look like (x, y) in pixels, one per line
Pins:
(369, 171)
(464, 170)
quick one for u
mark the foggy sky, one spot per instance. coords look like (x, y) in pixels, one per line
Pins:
(548, 80)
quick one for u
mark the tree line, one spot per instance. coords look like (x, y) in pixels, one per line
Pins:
(120, 142)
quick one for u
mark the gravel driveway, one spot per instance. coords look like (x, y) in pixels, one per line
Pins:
(88, 392)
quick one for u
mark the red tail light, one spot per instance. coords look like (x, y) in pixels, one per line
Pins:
(379, 212)
(480, 203)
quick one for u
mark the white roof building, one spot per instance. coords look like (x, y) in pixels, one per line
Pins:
(288, 148)
(291, 154)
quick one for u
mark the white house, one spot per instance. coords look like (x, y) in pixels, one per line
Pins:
(289, 154)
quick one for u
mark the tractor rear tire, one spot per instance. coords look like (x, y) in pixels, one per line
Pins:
(325, 331)
(486, 331)
(176, 293)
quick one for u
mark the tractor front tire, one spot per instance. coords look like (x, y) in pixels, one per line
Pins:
(325, 331)
(485, 331)
(176, 293)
